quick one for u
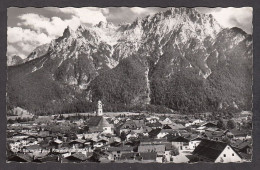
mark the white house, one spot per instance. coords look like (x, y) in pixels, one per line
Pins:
(215, 151)
(194, 143)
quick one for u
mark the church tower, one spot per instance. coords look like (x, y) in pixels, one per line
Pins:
(99, 109)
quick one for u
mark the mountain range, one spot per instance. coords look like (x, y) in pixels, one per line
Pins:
(177, 60)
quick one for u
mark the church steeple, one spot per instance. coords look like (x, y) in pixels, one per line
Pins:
(99, 109)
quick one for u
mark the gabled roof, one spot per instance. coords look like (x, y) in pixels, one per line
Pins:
(77, 141)
(97, 123)
(209, 150)
(236, 132)
(242, 144)
(122, 148)
(20, 158)
(77, 156)
(94, 121)
(139, 123)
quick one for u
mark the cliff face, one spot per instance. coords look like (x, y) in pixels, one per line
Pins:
(179, 58)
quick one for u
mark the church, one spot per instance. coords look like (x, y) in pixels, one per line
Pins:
(98, 124)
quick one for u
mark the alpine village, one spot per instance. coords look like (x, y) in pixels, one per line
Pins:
(173, 87)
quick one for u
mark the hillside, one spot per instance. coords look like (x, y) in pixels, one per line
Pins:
(179, 59)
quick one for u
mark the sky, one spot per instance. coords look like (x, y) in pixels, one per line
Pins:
(30, 27)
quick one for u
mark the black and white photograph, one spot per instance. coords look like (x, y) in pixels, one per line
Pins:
(129, 85)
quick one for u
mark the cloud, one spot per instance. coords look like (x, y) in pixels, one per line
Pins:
(88, 15)
(139, 10)
(235, 17)
(34, 29)
(22, 41)
(53, 26)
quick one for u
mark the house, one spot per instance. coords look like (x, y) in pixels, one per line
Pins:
(193, 143)
(78, 143)
(146, 130)
(76, 157)
(216, 135)
(131, 157)
(147, 157)
(163, 133)
(149, 141)
(239, 134)
(56, 143)
(139, 123)
(179, 142)
(166, 121)
(209, 125)
(243, 146)
(131, 135)
(154, 125)
(127, 126)
(116, 152)
(197, 122)
(215, 151)
(35, 149)
(153, 119)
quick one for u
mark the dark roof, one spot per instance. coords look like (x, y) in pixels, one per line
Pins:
(209, 150)
(177, 139)
(20, 158)
(77, 156)
(144, 140)
(197, 138)
(156, 124)
(94, 121)
(97, 123)
(242, 144)
(123, 148)
(148, 155)
(48, 158)
(239, 132)
(128, 156)
(77, 141)
(245, 156)
(209, 124)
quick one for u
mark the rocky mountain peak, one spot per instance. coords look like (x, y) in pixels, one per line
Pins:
(68, 32)
(169, 58)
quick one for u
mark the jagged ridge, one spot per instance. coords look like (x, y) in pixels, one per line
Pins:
(179, 47)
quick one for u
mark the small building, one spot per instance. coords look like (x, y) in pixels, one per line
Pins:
(115, 153)
(179, 142)
(194, 143)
